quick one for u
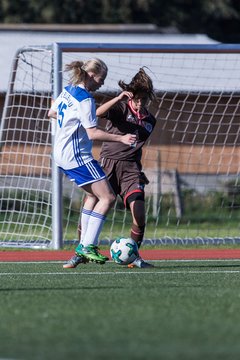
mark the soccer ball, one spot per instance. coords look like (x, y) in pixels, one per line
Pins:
(124, 251)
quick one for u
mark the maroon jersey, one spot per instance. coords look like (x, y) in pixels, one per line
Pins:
(122, 119)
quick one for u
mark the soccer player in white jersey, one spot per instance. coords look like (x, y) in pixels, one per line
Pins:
(75, 113)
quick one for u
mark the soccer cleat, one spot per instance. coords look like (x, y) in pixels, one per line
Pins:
(74, 262)
(91, 253)
(140, 263)
(78, 248)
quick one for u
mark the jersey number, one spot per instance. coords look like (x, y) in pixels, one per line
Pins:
(61, 108)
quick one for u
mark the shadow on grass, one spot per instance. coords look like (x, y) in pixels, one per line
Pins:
(197, 266)
(62, 288)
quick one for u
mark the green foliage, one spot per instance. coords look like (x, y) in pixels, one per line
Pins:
(213, 207)
(215, 214)
(24, 201)
(220, 19)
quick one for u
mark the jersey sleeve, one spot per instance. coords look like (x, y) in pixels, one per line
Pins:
(87, 112)
(115, 114)
(55, 103)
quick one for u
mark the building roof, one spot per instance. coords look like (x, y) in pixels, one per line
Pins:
(13, 37)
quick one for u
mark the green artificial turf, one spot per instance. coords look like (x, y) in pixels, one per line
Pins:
(177, 310)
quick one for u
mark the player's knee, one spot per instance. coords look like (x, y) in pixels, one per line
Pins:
(135, 196)
(110, 199)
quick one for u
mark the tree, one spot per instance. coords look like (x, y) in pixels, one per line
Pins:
(220, 19)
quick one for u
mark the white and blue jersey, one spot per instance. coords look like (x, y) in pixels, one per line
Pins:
(76, 111)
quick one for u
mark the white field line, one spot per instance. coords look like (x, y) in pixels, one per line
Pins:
(131, 273)
(109, 262)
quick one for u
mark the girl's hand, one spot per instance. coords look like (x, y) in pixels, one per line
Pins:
(129, 139)
(127, 94)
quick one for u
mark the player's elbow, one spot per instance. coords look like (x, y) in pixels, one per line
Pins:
(100, 112)
(52, 114)
(92, 133)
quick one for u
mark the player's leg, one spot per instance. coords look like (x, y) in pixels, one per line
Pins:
(137, 208)
(105, 199)
(130, 178)
(136, 203)
(99, 199)
(89, 242)
(89, 203)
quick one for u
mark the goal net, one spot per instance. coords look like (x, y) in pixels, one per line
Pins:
(192, 159)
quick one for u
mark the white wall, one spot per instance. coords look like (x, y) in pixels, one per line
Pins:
(10, 41)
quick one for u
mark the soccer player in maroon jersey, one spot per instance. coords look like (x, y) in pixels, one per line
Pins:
(128, 112)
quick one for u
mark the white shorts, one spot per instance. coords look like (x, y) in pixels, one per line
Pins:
(85, 174)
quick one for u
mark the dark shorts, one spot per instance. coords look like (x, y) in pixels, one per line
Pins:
(125, 178)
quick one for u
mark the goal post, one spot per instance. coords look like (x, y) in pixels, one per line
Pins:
(25, 157)
(57, 213)
(191, 159)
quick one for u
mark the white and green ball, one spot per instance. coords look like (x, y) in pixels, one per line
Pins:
(124, 251)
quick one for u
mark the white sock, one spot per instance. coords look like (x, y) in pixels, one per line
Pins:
(95, 224)
(85, 216)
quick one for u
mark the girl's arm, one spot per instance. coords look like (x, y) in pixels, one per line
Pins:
(52, 114)
(103, 109)
(97, 134)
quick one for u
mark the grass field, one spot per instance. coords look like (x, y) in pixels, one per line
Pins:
(178, 310)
